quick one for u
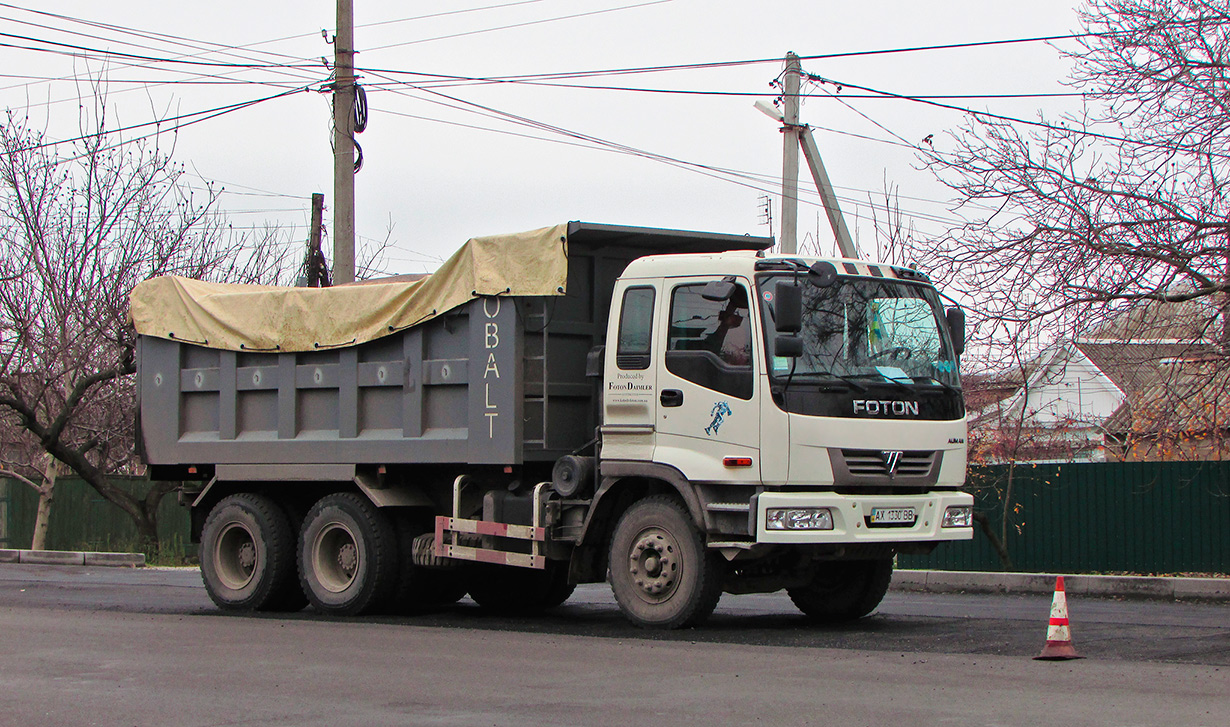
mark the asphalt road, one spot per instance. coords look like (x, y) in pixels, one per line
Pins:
(81, 646)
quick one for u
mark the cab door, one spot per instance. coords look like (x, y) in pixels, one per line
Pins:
(708, 419)
(629, 406)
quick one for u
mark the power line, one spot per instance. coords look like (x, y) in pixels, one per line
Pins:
(1011, 119)
(430, 16)
(183, 119)
(462, 81)
(72, 49)
(399, 20)
(520, 25)
(757, 182)
(195, 45)
(144, 34)
(744, 62)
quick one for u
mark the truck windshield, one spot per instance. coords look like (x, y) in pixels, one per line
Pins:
(866, 330)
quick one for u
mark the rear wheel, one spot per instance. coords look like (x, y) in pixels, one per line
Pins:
(419, 587)
(512, 589)
(248, 556)
(661, 572)
(844, 590)
(347, 555)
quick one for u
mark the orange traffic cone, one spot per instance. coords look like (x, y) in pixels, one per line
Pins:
(1058, 634)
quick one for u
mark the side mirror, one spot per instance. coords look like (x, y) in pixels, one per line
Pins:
(956, 329)
(788, 307)
(718, 290)
(788, 346)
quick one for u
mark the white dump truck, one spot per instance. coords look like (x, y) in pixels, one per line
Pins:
(679, 413)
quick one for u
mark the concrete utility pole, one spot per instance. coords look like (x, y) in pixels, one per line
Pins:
(790, 155)
(797, 135)
(343, 144)
(845, 244)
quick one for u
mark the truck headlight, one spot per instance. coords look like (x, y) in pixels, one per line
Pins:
(798, 518)
(958, 516)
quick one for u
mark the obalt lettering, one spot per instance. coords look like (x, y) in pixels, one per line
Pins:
(491, 340)
(885, 408)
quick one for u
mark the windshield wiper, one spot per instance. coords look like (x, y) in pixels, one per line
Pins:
(895, 382)
(843, 379)
(946, 387)
(914, 385)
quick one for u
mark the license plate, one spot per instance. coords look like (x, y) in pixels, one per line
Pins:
(892, 515)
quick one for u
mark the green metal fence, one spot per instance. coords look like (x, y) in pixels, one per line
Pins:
(82, 520)
(4, 514)
(1134, 517)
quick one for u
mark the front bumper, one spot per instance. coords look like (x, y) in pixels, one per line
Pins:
(852, 513)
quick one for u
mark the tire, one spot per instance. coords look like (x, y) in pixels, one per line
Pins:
(662, 574)
(509, 589)
(844, 590)
(559, 589)
(248, 556)
(419, 588)
(347, 555)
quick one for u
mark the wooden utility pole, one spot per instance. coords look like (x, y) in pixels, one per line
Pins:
(317, 270)
(343, 144)
(790, 155)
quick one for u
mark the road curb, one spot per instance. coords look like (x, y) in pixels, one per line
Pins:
(1204, 589)
(73, 557)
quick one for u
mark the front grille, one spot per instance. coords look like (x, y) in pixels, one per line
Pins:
(861, 464)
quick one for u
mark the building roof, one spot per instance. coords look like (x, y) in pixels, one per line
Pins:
(1167, 386)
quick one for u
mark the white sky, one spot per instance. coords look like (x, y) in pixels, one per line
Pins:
(437, 184)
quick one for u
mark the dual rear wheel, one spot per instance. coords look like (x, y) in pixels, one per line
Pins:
(349, 558)
(343, 562)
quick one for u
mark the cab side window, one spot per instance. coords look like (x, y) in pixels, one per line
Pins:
(634, 347)
(710, 341)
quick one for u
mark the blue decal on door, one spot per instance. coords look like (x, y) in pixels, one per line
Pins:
(720, 411)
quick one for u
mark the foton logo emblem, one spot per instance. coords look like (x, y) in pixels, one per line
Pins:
(891, 460)
(882, 408)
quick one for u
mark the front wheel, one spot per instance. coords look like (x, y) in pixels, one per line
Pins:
(844, 590)
(662, 574)
(347, 555)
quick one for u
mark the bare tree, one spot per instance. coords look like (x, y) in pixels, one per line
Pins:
(80, 225)
(1068, 220)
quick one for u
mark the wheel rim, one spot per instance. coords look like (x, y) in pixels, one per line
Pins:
(654, 564)
(335, 556)
(236, 556)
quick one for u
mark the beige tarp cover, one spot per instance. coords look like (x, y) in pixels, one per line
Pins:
(265, 318)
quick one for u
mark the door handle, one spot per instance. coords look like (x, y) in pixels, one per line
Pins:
(671, 397)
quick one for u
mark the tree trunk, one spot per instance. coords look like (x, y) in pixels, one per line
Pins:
(1007, 505)
(1001, 549)
(147, 530)
(42, 516)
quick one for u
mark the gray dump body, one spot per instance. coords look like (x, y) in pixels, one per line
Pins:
(498, 381)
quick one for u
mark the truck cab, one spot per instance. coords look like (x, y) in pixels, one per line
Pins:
(813, 407)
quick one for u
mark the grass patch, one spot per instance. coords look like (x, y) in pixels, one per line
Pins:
(174, 550)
